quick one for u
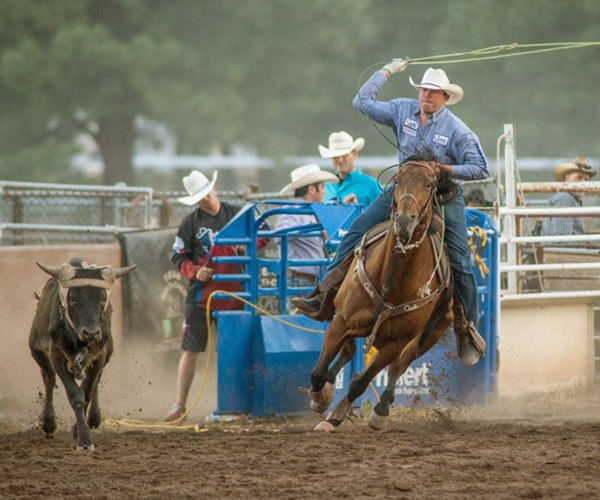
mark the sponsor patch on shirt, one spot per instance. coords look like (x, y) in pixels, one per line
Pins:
(411, 123)
(441, 139)
(409, 131)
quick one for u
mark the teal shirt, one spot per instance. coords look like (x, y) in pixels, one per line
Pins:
(362, 185)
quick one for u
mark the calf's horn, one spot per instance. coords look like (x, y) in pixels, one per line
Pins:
(111, 274)
(64, 272)
(122, 271)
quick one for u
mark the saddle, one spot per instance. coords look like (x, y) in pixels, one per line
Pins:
(330, 285)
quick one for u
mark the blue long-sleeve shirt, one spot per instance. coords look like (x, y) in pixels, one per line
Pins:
(362, 185)
(444, 133)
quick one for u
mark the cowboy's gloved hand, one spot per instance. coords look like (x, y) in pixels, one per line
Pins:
(396, 66)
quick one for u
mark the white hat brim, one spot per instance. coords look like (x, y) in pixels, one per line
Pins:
(357, 145)
(455, 92)
(307, 180)
(196, 197)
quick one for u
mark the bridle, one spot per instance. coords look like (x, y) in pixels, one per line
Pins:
(383, 309)
(64, 286)
(401, 247)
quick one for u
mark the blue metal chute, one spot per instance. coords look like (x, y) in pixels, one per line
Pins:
(262, 362)
(336, 219)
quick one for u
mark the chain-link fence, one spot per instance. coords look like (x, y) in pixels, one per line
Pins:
(45, 214)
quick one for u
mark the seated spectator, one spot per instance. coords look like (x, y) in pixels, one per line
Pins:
(578, 170)
(308, 184)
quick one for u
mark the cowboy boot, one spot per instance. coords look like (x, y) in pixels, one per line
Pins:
(470, 344)
(318, 304)
(311, 304)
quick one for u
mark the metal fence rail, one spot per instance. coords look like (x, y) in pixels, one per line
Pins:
(39, 213)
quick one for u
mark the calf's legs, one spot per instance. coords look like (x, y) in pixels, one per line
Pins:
(48, 417)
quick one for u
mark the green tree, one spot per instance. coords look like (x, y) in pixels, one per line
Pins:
(548, 97)
(81, 66)
(264, 74)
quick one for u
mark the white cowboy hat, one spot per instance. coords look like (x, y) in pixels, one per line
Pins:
(197, 186)
(577, 165)
(307, 175)
(340, 144)
(436, 79)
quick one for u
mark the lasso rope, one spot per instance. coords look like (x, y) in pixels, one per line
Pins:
(496, 52)
(483, 54)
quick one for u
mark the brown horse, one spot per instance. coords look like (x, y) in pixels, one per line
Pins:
(399, 296)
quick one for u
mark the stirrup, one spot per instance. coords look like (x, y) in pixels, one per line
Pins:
(470, 345)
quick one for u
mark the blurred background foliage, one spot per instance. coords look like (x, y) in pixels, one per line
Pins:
(275, 77)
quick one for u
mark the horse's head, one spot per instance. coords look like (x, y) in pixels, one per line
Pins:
(416, 185)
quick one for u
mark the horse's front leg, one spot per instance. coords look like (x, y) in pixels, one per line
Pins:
(386, 355)
(434, 330)
(322, 390)
(381, 410)
(346, 354)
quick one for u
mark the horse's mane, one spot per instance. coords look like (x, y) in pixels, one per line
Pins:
(447, 187)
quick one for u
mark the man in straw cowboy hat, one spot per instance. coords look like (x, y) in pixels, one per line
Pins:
(354, 186)
(578, 170)
(193, 252)
(421, 125)
(308, 185)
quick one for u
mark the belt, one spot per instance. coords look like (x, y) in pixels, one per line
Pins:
(298, 274)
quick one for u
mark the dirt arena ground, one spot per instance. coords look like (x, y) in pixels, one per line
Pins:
(545, 446)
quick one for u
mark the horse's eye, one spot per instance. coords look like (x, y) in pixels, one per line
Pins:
(429, 185)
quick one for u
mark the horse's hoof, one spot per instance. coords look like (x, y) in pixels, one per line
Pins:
(319, 408)
(324, 426)
(376, 422)
(322, 399)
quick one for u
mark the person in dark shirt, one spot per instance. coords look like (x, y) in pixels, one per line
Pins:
(193, 254)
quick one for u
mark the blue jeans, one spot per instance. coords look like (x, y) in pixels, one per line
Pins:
(455, 237)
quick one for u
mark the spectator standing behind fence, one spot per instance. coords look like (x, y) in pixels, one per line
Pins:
(578, 170)
(193, 254)
(308, 184)
(354, 185)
